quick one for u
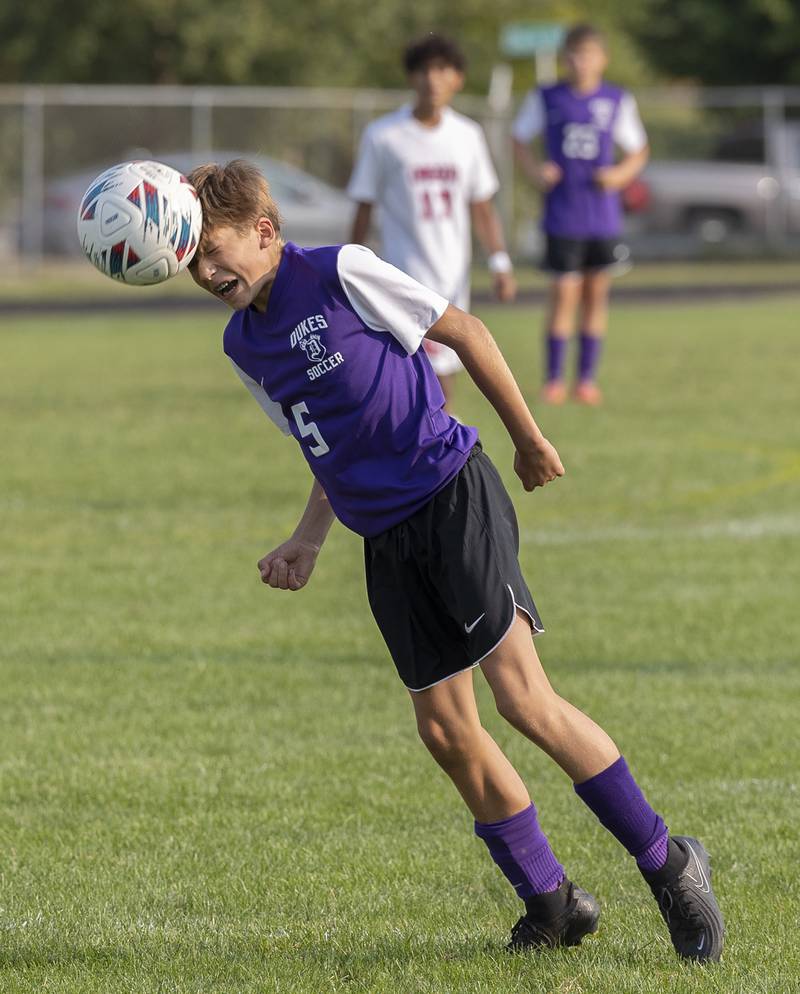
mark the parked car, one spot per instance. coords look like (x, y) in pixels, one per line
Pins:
(728, 195)
(315, 213)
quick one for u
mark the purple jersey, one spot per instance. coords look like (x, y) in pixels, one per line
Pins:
(335, 361)
(580, 132)
(579, 137)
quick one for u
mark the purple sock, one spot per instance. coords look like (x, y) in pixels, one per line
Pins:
(556, 353)
(521, 850)
(589, 356)
(615, 797)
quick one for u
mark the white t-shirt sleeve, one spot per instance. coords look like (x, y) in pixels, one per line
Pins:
(629, 131)
(531, 118)
(385, 298)
(365, 183)
(484, 182)
(265, 402)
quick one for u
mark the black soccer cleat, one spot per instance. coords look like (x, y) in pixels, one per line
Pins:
(561, 918)
(686, 900)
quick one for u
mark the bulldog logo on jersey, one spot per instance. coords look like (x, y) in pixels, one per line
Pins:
(304, 337)
(302, 331)
(313, 348)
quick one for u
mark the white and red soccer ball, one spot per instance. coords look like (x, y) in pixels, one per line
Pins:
(140, 222)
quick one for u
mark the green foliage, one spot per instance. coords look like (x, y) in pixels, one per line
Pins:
(734, 42)
(279, 43)
(213, 788)
(360, 42)
(146, 41)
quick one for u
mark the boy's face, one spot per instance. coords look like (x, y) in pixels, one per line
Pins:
(436, 83)
(234, 265)
(586, 62)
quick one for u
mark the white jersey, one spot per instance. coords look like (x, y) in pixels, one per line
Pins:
(424, 179)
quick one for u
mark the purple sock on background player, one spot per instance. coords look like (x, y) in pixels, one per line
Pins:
(521, 850)
(615, 797)
(589, 356)
(556, 353)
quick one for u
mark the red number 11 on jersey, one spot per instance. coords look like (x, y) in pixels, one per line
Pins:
(428, 201)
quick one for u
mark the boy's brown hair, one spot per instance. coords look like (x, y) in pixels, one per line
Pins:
(233, 196)
(432, 46)
(581, 33)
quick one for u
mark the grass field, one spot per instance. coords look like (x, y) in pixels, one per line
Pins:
(73, 280)
(211, 787)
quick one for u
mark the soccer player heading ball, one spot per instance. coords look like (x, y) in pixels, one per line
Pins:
(328, 342)
(429, 171)
(581, 121)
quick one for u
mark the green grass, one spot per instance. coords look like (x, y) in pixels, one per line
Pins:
(212, 787)
(74, 280)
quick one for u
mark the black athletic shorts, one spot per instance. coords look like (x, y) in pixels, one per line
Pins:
(444, 584)
(579, 255)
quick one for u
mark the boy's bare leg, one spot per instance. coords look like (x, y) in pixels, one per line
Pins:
(594, 321)
(449, 725)
(565, 295)
(505, 818)
(594, 302)
(581, 748)
(525, 698)
(675, 868)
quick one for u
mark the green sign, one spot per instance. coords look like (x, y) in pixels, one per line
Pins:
(519, 40)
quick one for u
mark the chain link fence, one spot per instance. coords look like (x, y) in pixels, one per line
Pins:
(725, 172)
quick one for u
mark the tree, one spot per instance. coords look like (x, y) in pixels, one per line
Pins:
(721, 41)
(277, 42)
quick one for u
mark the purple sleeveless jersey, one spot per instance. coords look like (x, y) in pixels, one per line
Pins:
(368, 416)
(579, 137)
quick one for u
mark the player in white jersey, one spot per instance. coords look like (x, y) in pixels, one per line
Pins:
(429, 172)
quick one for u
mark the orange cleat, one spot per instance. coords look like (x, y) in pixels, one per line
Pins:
(554, 392)
(587, 392)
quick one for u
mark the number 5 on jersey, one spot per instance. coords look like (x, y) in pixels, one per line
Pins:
(309, 428)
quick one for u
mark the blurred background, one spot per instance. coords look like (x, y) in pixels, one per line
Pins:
(84, 85)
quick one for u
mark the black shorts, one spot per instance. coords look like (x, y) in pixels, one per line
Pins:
(579, 255)
(444, 585)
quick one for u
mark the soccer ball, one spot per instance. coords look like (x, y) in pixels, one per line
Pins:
(139, 222)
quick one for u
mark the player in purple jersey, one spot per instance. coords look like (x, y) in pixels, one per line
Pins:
(581, 120)
(328, 342)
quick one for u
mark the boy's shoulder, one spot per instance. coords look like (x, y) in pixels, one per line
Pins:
(310, 261)
(399, 120)
(301, 272)
(611, 90)
(464, 124)
(387, 123)
(562, 89)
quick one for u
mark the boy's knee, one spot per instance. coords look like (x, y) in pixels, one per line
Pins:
(512, 709)
(447, 742)
(537, 715)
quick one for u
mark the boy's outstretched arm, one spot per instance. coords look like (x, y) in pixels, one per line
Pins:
(290, 565)
(536, 461)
